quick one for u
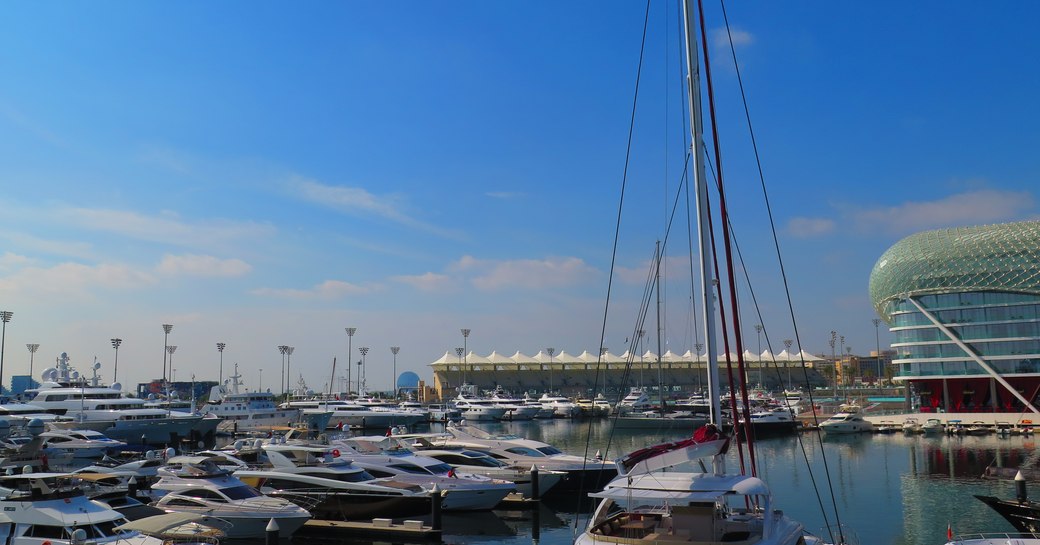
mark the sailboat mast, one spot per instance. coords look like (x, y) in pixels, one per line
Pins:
(708, 281)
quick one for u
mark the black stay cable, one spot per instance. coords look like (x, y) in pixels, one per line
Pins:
(614, 250)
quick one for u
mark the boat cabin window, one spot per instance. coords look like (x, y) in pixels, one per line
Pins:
(241, 492)
(410, 468)
(184, 502)
(524, 451)
(549, 450)
(45, 531)
(203, 493)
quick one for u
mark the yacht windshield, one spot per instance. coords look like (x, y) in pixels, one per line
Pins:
(524, 451)
(241, 492)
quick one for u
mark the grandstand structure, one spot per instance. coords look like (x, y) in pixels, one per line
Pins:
(588, 373)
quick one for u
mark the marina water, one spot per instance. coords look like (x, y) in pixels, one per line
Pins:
(889, 489)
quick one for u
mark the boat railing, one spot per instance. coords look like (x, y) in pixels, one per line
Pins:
(993, 536)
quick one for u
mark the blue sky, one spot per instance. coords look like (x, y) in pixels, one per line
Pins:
(259, 174)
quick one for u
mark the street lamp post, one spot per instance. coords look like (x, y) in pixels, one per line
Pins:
(877, 341)
(787, 364)
(6, 316)
(834, 359)
(758, 329)
(698, 347)
(288, 366)
(841, 350)
(282, 349)
(166, 337)
(171, 349)
(639, 348)
(458, 351)
(260, 382)
(551, 351)
(394, 350)
(115, 368)
(362, 383)
(465, 354)
(220, 376)
(350, 353)
(33, 347)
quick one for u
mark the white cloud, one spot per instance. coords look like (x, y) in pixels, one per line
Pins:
(428, 282)
(810, 227)
(329, 289)
(969, 208)
(495, 275)
(741, 38)
(355, 200)
(10, 261)
(74, 278)
(202, 265)
(166, 228)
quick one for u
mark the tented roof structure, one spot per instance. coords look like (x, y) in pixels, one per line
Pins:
(472, 358)
(496, 358)
(448, 357)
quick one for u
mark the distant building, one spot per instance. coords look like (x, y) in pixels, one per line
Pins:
(21, 383)
(963, 306)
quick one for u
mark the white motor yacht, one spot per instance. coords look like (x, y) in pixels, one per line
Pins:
(848, 419)
(88, 444)
(543, 412)
(51, 508)
(194, 484)
(561, 407)
(636, 401)
(462, 491)
(515, 407)
(581, 473)
(245, 411)
(106, 408)
(481, 463)
(329, 487)
(478, 409)
(348, 414)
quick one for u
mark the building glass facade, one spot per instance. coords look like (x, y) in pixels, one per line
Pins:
(956, 297)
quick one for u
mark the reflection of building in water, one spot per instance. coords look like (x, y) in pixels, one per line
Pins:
(943, 477)
(964, 308)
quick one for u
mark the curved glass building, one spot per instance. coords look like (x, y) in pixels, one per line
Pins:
(964, 307)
